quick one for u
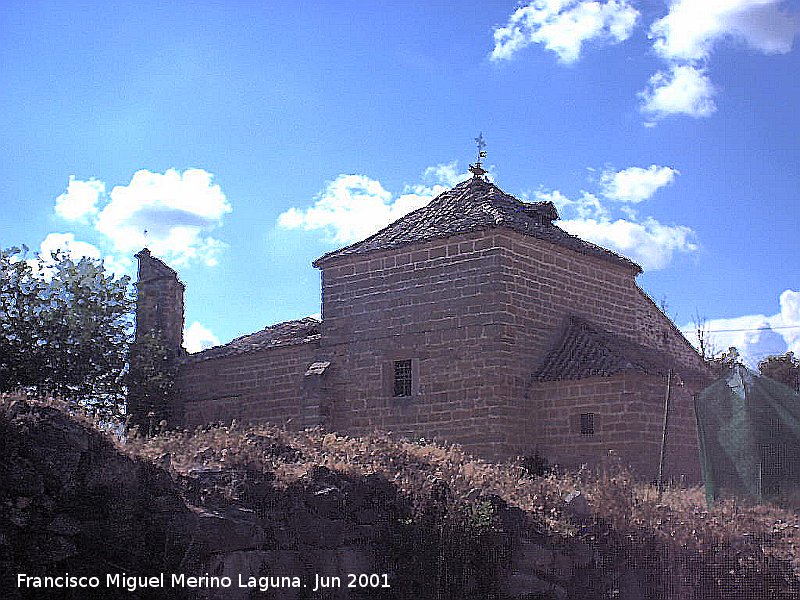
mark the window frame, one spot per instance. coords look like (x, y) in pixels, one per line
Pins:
(586, 424)
(402, 378)
(389, 376)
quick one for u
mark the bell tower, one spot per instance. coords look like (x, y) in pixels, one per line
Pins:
(159, 301)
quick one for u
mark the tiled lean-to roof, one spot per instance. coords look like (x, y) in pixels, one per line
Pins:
(289, 333)
(474, 205)
(586, 351)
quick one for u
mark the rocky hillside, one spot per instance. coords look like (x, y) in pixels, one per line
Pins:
(264, 513)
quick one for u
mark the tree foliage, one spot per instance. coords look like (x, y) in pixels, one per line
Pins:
(785, 369)
(150, 381)
(64, 329)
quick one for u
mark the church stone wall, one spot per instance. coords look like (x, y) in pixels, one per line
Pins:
(263, 386)
(436, 304)
(159, 301)
(627, 415)
(475, 314)
(542, 284)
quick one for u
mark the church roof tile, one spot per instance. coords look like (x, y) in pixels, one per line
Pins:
(584, 350)
(474, 205)
(288, 333)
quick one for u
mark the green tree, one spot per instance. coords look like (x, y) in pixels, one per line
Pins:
(785, 369)
(65, 329)
(150, 382)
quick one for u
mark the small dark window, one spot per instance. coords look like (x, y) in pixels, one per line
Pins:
(587, 424)
(402, 378)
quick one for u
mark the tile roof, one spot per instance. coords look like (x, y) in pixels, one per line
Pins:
(586, 351)
(475, 205)
(288, 333)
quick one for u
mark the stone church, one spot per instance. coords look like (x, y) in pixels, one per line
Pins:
(474, 320)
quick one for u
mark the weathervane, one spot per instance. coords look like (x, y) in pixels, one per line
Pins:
(477, 169)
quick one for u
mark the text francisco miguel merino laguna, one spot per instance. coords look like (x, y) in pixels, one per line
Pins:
(133, 583)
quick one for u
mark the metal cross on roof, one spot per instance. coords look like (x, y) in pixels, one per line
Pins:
(477, 169)
(481, 143)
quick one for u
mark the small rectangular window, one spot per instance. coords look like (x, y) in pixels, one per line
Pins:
(587, 424)
(402, 378)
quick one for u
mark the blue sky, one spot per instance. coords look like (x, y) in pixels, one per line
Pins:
(249, 138)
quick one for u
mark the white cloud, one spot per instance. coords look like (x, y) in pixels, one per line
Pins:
(755, 336)
(80, 200)
(353, 207)
(76, 249)
(649, 242)
(684, 90)
(790, 317)
(686, 38)
(196, 337)
(66, 242)
(636, 184)
(178, 210)
(447, 175)
(587, 206)
(562, 26)
(691, 28)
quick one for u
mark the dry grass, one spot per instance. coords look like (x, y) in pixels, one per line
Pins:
(415, 467)
(682, 517)
(679, 518)
(735, 539)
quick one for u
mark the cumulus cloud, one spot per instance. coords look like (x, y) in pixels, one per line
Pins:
(177, 209)
(197, 337)
(352, 207)
(586, 206)
(686, 38)
(636, 184)
(685, 90)
(650, 243)
(755, 336)
(80, 200)
(790, 318)
(444, 175)
(691, 29)
(647, 241)
(563, 26)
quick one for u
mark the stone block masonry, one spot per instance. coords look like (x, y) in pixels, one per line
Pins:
(262, 386)
(627, 416)
(436, 303)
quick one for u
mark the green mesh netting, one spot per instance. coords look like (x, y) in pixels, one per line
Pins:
(749, 435)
